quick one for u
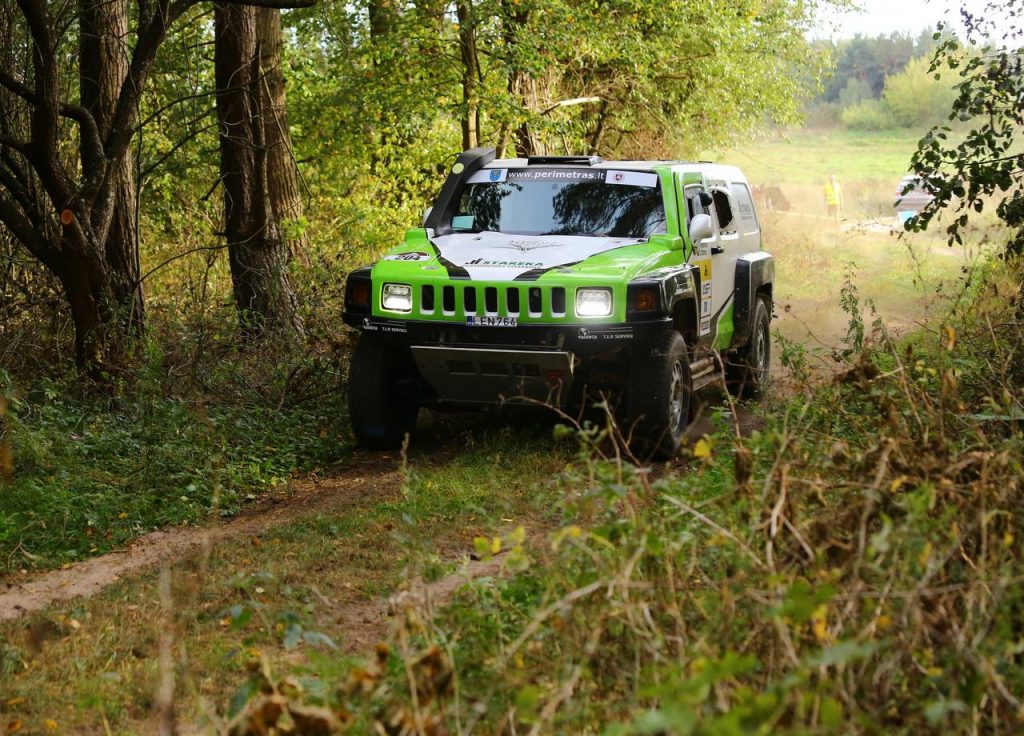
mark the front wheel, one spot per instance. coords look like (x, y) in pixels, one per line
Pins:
(381, 402)
(748, 370)
(658, 394)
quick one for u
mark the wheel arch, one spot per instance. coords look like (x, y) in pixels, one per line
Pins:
(755, 278)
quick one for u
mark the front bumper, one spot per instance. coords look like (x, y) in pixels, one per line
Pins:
(465, 364)
(483, 376)
(580, 339)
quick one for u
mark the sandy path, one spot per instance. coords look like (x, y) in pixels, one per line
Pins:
(368, 476)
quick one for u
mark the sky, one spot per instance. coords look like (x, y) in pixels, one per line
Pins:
(885, 16)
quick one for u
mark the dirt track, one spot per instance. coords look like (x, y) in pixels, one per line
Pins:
(367, 477)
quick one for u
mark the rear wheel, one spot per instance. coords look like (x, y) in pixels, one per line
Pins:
(382, 394)
(747, 371)
(658, 395)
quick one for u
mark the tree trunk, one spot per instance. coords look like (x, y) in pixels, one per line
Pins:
(597, 138)
(88, 286)
(522, 87)
(282, 171)
(103, 67)
(470, 73)
(257, 251)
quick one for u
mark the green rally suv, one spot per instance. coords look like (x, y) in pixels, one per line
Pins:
(555, 278)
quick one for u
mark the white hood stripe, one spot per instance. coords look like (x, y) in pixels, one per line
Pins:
(501, 256)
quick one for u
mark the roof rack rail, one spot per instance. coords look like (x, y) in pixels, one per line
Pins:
(584, 160)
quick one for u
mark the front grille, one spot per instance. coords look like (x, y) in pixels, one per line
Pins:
(524, 302)
(558, 301)
(535, 301)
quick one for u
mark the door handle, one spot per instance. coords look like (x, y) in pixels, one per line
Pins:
(717, 249)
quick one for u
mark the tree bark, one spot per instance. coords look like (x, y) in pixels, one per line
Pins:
(103, 68)
(521, 86)
(282, 171)
(470, 73)
(597, 138)
(257, 251)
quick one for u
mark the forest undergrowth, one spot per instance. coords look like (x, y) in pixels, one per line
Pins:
(855, 566)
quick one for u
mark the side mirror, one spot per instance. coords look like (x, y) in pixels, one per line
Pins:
(426, 214)
(701, 228)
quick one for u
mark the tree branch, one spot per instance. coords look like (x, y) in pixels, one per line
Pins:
(21, 228)
(273, 4)
(87, 127)
(44, 152)
(19, 88)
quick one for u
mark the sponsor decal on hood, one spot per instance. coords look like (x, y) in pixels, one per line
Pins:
(504, 256)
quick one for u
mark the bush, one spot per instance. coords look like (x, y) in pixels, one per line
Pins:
(916, 99)
(867, 115)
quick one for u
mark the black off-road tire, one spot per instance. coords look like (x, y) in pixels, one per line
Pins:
(657, 400)
(748, 370)
(381, 406)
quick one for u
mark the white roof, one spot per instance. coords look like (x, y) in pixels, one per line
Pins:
(711, 170)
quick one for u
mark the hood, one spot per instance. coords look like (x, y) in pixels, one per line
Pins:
(500, 256)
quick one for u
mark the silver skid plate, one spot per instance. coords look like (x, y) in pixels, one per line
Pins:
(487, 376)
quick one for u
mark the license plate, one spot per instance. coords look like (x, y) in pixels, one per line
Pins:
(492, 321)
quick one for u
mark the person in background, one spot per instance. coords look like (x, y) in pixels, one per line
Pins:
(833, 198)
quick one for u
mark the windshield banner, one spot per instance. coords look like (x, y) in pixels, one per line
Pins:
(608, 176)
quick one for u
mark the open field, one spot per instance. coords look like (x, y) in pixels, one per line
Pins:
(903, 279)
(809, 156)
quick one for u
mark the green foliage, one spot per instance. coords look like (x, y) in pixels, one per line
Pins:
(919, 95)
(985, 167)
(869, 115)
(863, 63)
(92, 473)
(856, 90)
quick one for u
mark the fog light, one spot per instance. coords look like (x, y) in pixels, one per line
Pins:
(593, 302)
(396, 297)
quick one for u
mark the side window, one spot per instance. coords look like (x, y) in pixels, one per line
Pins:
(747, 217)
(723, 207)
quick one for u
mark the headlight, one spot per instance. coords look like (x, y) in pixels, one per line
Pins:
(593, 302)
(396, 297)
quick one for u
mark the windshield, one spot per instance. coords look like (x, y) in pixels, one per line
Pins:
(591, 202)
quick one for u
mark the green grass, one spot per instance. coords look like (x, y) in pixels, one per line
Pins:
(810, 156)
(92, 473)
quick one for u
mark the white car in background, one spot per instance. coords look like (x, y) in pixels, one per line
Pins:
(912, 196)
